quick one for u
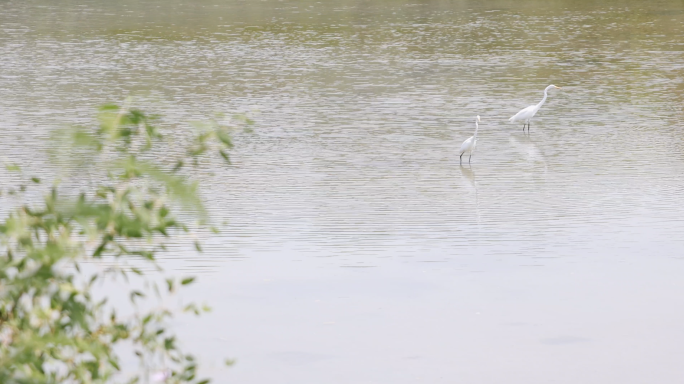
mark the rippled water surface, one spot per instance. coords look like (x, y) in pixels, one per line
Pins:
(357, 249)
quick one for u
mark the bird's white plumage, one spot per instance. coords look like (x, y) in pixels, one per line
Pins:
(525, 114)
(468, 146)
(528, 113)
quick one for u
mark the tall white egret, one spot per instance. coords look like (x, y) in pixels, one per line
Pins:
(529, 112)
(468, 146)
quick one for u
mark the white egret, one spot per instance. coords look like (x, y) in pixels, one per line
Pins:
(529, 112)
(468, 146)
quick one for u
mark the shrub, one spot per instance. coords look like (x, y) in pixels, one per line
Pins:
(53, 327)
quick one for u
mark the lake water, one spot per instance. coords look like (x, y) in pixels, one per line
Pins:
(357, 250)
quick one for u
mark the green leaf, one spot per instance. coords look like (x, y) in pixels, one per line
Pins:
(225, 156)
(109, 107)
(191, 308)
(135, 294)
(101, 248)
(177, 187)
(187, 280)
(12, 167)
(224, 137)
(178, 166)
(169, 343)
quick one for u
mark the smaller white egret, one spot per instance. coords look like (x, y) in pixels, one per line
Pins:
(468, 146)
(529, 112)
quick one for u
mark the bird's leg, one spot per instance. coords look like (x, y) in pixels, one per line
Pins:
(471, 155)
(460, 159)
(528, 127)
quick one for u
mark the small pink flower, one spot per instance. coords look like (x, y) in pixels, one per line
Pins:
(160, 376)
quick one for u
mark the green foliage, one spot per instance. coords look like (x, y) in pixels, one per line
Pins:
(53, 329)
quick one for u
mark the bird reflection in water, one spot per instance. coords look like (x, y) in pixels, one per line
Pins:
(469, 174)
(528, 151)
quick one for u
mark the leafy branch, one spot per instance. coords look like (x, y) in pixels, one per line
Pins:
(53, 329)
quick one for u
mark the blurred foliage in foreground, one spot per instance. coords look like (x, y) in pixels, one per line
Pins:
(53, 328)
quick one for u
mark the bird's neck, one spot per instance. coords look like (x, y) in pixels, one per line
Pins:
(543, 100)
(476, 128)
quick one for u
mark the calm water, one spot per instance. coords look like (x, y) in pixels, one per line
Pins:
(357, 249)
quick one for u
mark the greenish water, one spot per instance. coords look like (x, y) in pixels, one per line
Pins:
(358, 250)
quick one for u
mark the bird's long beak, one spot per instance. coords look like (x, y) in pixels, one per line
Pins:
(558, 87)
